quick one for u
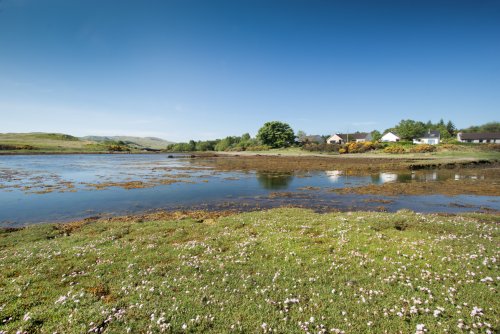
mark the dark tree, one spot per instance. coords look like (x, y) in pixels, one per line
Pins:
(276, 134)
(451, 128)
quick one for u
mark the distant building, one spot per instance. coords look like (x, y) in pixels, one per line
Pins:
(390, 137)
(342, 138)
(311, 139)
(431, 137)
(485, 137)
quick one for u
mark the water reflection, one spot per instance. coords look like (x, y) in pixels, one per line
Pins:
(274, 181)
(334, 175)
(471, 177)
(388, 177)
(428, 176)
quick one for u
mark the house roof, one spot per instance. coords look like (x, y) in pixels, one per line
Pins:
(431, 134)
(354, 136)
(390, 132)
(480, 135)
(312, 138)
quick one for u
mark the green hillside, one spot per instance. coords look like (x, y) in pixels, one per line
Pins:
(145, 142)
(39, 142)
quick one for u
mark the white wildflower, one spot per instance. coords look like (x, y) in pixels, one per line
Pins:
(420, 329)
(476, 311)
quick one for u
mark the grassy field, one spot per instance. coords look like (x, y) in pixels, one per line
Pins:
(44, 142)
(38, 142)
(150, 142)
(284, 270)
(49, 143)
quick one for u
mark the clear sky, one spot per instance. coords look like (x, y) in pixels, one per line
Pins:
(207, 69)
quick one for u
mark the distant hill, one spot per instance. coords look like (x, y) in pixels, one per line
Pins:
(39, 136)
(59, 142)
(47, 142)
(138, 142)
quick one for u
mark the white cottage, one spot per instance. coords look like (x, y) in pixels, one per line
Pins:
(390, 137)
(335, 139)
(431, 137)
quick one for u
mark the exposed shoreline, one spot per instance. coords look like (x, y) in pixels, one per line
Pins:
(359, 162)
(448, 188)
(308, 160)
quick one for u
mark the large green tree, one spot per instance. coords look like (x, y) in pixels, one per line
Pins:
(276, 134)
(408, 129)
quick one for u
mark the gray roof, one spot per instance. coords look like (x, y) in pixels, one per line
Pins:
(480, 135)
(431, 134)
(355, 136)
(312, 138)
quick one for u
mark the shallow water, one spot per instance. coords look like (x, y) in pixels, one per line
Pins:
(44, 188)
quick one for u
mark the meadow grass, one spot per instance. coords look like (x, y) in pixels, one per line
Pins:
(282, 270)
(50, 142)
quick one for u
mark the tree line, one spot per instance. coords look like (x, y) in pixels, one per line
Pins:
(277, 134)
(271, 135)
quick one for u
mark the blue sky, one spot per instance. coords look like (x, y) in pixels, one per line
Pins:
(207, 69)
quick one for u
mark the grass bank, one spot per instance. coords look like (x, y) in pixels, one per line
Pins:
(283, 270)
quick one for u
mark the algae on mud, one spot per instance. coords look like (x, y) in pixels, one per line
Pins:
(448, 187)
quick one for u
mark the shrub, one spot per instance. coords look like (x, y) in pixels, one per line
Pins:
(118, 148)
(7, 147)
(361, 147)
(379, 145)
(315, 147)
(394, 149)
(423, 148)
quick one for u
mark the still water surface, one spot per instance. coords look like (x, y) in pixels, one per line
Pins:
(37, 189)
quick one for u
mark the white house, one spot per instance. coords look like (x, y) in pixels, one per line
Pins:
(431, 138)
(390, 137)
(335, 139)
(485, 137)
(342, 138)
